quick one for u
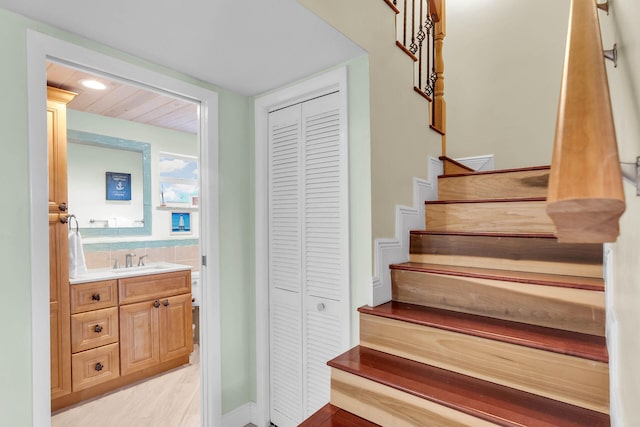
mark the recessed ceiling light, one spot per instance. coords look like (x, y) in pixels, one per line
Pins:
(93, 84)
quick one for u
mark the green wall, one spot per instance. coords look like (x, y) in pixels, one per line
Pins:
(15, 317)
(236, 225)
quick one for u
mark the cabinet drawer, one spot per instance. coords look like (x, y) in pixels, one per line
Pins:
(92, 367)
(143, 288)
(93, 329)
(93, 296)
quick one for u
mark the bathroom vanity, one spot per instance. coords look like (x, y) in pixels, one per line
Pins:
(126, 325)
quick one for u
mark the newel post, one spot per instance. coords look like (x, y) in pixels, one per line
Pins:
(439, 105)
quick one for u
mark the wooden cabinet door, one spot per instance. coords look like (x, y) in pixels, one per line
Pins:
(58, 243)
(139, 339)
(176, 331)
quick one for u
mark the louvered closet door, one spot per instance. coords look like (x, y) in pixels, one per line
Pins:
(309, 277)
(285, 266)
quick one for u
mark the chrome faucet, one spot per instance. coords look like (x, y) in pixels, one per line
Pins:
(141, 260)
(128, 260)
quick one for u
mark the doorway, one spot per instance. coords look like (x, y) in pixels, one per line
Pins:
(151, 139)
(40, 49)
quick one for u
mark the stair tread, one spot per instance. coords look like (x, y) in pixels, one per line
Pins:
(484, 233)
(586, 346)
(333, 416)
(495, 403)
(557, 280)
(503, 200)
(531, 168)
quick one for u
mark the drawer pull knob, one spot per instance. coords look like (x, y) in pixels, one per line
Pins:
(156, 303)
(95, 297)
(321, 306)
(165, 302)
(62, 207)
(99, 366)
(64, 219)
(98, 329)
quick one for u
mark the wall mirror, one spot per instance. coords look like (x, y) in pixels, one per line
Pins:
(109, 184)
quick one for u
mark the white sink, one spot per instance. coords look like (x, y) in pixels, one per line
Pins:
(117, 273)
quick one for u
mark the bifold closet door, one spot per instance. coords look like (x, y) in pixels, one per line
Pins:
(308, 254)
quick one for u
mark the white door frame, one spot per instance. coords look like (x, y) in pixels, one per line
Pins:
(314, 87)
(40, 48)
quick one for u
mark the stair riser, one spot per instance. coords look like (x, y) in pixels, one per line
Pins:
(532, 254)
(570, 309)
(490, 217)
(506, 185)
(390, 407)
(569, 379)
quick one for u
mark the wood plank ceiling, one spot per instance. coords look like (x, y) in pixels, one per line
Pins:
(124, 101)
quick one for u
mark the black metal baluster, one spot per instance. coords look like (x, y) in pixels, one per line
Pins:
(414, 47)
(404, 28)
(421, 36)
(429, 26)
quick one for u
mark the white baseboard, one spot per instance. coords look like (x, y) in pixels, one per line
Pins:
(478, 163)
(241, 416)
(396, 250)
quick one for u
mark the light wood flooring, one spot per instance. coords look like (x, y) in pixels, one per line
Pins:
(171, 399)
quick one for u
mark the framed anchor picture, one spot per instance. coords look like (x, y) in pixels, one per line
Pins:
(118, 186)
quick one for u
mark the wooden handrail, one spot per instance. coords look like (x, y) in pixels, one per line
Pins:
(585, 198)
(421, 30)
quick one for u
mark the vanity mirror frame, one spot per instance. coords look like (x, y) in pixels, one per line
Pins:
(144, 148)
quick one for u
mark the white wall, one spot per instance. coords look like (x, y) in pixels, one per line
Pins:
(401, 141)
(503, 67)
(623, 291)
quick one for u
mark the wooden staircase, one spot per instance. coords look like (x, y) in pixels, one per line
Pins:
(493, 321)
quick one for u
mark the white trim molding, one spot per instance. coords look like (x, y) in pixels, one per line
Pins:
(396, 250)
(612, 335)
(40, 48)
(316, 86)
(478, 163)
(241, 416)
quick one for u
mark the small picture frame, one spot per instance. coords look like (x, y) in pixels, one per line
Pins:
(118, 186)
(180, 222)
